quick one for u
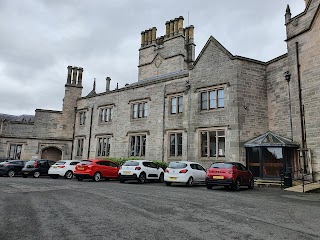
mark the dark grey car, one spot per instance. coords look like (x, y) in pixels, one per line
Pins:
(36, 168)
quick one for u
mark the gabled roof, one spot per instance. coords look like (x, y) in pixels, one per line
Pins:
(13, 118)
(225, 51)
(270, 139)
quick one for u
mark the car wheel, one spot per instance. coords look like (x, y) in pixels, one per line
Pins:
(190, 182)
(68, 175)
(236, 185)
(36, 174)
(96, 177)
(208, 186)
(142, 178)
(251, 185)
(11, 173)
(168, 183)
(79, 179)
(54, 176)
(122, 180)
(161, 178)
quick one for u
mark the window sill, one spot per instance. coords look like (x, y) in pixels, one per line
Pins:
(104, 123)
(212, 110)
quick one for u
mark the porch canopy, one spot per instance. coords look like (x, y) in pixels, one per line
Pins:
(270, 139)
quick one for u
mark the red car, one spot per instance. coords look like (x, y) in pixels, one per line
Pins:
(229, 174)
(96, 169)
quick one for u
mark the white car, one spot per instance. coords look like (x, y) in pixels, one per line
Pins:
(140, 170)
(63, 168)
(184, 172)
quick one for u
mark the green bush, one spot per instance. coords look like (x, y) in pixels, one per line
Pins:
(161, 164)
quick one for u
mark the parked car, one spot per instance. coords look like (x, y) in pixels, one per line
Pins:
(63, 168)
(36, 168)
(11, 168)
(185, 172)
(5, 159)
(140, 170)
(229, 174)
(96, 169)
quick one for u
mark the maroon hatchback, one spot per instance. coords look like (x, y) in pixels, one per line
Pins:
(229, 174)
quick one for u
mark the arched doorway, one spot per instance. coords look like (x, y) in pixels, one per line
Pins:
(51, 153)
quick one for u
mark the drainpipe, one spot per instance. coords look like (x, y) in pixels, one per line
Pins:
(89, 142)
(163, 120)
(74, 129)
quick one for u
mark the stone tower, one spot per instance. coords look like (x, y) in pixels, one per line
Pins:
(73, 91)
(173, 52)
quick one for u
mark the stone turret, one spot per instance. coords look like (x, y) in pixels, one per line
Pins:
(172, 52)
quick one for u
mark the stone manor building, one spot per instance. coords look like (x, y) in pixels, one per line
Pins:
(216, 107)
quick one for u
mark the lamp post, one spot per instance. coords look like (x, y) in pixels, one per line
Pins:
(287, 76)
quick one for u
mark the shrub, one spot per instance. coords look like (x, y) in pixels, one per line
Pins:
(161, 164)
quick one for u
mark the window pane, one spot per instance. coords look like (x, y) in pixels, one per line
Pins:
(137, 153)
(104, 146)
(111, 112)
(204, 144)
(146, 108)
(135, 110)
(212, 143)
(172, 145)
(179, 138)
(107, 114)
(140, 110)
(212, 99)
(133, 145)
(108, 147)
(12, 149)
(204, 101)
(102, 115)
(180, 104)
(143, 149)
(18, 152)
(221, 146)
(173, 105)
(221, 98)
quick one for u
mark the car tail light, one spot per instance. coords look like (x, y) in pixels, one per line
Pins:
(167, 170)
(138, 168)
(35, 164)
(183, 171)
(120, 167)
(61, 166)
(89, 166)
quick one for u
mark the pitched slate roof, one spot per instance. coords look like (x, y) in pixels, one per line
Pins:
(13, 118)
(270, 139)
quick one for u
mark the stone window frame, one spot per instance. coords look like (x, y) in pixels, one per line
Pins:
(176, 97)
(105, 114)
(208, 90)
(174, 132)
(208, 130)
(140, 108)
(80, 146)
(102, 153)
(82, 117)
(134, 145)
(16, 155)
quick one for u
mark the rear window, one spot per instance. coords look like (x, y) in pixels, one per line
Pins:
(177, 165)
(29, 163)
(60, 163)
(131, 163)
(221, 165)
(87, 162)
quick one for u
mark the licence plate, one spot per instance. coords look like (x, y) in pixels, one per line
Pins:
(173, 178)
(218, 177)
(80, 168)
(126, 172)
(25, 173)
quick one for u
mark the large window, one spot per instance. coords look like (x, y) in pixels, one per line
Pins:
(212, 143)
(82, 118)
(140, 110)
(103, 147)
(105, 115)
(176, 104)
(212, 99)
(138, 145)
(80, 147)
(15, 151)
(175, 144)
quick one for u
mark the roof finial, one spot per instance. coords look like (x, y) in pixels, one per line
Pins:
(288, 14)
(94, 84)
(117, 86)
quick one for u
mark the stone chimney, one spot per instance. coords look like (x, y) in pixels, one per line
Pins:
(108, 79)
(74, 76)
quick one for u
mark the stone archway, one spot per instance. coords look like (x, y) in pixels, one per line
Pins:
(51, 153)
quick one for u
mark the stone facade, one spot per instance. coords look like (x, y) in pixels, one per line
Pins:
(255, 100)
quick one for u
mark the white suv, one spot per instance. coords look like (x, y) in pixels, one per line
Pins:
(140, 170)
(63, 168)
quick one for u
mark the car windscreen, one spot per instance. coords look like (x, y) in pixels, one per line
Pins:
(131, 163)
(60, 163)
(221, 165)
(177, 165)
(87, 162)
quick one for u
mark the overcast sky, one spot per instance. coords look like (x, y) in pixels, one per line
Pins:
(40, 38)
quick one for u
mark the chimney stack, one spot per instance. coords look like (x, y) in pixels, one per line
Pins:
(74, 76)
(180, 25)
(69, 74)
(142, 39)
(80, 71)
(108, 79)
